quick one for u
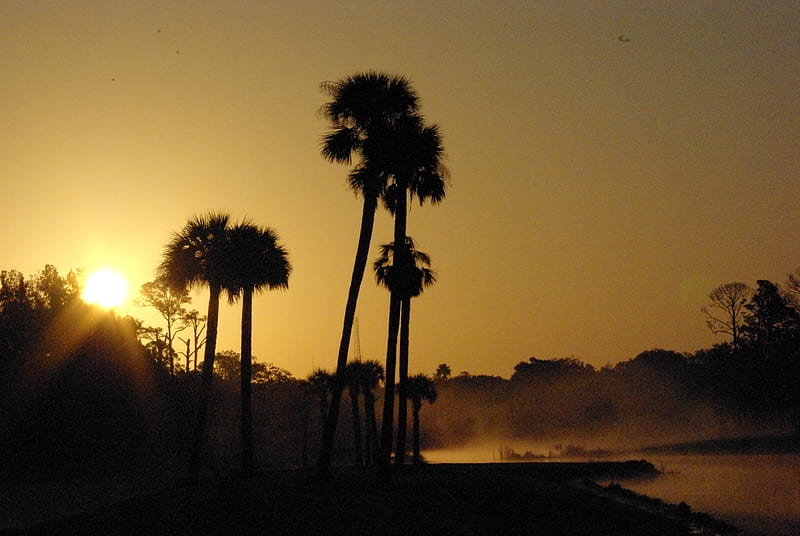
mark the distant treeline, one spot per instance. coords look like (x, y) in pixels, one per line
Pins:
(747, 385)
(78, 389)
(658, 397)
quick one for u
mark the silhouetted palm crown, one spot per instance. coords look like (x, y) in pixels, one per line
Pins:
(375, 116)
(421, 388)
(407, 281)
(413, 156)
(255, 260)
(196, 255)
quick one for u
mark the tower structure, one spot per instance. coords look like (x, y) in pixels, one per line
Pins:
(356, 342)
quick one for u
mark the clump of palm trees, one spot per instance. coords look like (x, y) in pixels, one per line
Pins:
(361, 378)
(375, 120)
(375, 124)
(237, 259)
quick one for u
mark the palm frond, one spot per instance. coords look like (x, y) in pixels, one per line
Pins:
(339, 144)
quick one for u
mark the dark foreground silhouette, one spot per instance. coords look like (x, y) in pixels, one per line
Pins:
(533, 498)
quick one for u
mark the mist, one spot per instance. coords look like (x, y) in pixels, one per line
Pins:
(565, 408)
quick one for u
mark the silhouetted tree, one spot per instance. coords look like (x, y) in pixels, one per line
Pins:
(196, 256)
(169, 303)
(420, 389)
(52, 293)
(270, 373)
(197, 324)
(354, 375)
(321, 384)
(257, 262)
(726, 308)
(406, 281)
(371, 378)
(362, 106)
(770, 323)
(416, 161)
(792, 291)
(19, 321)
(548, 369)
(228, 367)
(442, 372)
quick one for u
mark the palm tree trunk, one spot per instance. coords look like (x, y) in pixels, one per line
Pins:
(304, 401)
(400, 218)
(247, 387)
(205, 385)
(417, 457)
(359, 266)
(358, 453)
(387, 424)
(372, 428)
(402, 401)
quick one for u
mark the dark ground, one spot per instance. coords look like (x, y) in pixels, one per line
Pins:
(470, 499)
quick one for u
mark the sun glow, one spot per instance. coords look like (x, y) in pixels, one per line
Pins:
(105, 288)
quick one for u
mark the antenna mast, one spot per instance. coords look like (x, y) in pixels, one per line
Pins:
(356, 343)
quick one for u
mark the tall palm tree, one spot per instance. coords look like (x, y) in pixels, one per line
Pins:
(420, 389)
(372, 376)
(257, 262)
(361, 107)
(416, 160)
(405, 281)
(195, 256)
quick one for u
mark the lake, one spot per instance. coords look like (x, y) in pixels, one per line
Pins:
(756, 492)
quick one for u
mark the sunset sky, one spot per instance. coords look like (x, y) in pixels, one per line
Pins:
(611, 162)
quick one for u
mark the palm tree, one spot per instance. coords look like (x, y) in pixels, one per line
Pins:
(416, 162)
(257, 262)
(195, 256)
(320, 382)
(442, 372)
(354, 378)
(371, 377)
(405, 281)
(420, 389)
(362, 106)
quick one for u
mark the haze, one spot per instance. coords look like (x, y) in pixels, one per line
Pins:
(611, 162)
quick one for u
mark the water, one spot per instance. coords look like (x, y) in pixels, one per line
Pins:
(759, 493)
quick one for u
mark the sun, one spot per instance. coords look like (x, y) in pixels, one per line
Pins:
(105, 288)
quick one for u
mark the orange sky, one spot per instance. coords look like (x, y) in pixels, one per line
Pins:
(600, 187)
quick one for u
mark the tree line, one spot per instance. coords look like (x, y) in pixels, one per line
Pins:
(82, 385)
(745, 385)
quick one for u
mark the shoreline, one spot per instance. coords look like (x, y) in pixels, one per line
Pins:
(494, 498)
